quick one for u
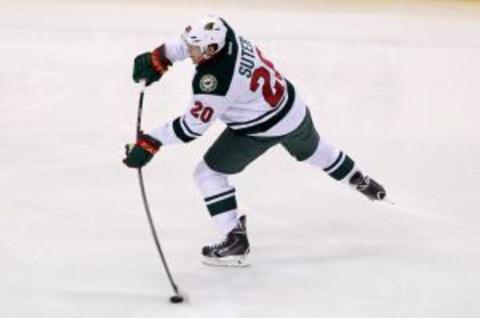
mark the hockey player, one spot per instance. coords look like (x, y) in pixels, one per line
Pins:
(236, 83)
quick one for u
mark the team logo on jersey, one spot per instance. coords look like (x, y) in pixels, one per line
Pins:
(208, 83)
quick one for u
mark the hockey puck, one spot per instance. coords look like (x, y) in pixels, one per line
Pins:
(176, 299)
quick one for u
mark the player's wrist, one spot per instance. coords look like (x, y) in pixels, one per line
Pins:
(148, 143)
(160, 62)
(142, 152)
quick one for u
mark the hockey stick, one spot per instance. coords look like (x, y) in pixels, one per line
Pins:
(179, 297)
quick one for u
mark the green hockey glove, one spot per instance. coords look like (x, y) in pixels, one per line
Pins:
(141, 153)
(150, 66)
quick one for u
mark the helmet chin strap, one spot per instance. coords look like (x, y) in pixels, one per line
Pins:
(205, 53)
(206, 56)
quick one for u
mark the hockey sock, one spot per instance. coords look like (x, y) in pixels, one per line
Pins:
(226, 221)
(334, 162)
(219, 197)
(342, 168)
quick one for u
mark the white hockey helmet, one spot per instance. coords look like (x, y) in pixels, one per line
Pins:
(209, 31)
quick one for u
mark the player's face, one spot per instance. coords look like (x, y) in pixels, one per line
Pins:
(195, 54)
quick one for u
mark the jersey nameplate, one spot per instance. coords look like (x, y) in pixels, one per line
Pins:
(247, 58)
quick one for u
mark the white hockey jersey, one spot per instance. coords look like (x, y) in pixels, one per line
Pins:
(240, 87)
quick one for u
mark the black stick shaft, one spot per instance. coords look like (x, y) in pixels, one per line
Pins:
(145, 201)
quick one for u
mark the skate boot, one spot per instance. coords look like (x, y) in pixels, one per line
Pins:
(369, 187)
(232, 251)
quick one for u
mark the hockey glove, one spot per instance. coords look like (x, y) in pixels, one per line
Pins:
(150, 66)
(141, 153)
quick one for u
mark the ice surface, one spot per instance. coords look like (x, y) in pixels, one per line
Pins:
(397, 90)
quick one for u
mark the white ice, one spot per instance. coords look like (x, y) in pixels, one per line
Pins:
(397, 89)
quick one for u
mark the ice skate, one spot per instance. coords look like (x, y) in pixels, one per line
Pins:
(367, 186)
(232, 251)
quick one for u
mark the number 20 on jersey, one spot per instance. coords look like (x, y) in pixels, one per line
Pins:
(199, 111)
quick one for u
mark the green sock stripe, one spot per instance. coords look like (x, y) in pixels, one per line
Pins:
(222, 206)
(179, 132)
(343, 170)
(330, 167)
(216, 196)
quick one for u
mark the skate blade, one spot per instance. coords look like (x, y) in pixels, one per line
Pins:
(227, 261)
(388, 201)
(384, 199)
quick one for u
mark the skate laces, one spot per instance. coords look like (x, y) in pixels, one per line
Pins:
(364, 185)
(360, 181)
(220, 245)
(228, 239)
